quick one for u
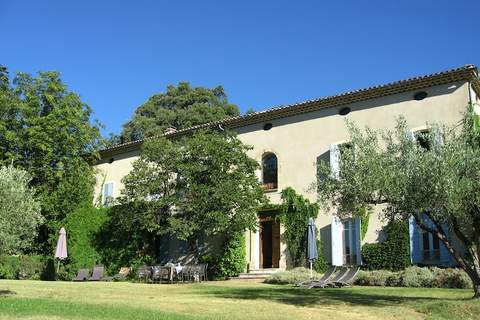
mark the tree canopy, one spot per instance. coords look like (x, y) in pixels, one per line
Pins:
(180, 107)
(19, 211)
(433, 174)
(203, 184)
(48, 131)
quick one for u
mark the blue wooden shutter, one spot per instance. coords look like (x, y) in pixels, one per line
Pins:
(415, 241)
(358, 240)
(337, 241)
(446, 258)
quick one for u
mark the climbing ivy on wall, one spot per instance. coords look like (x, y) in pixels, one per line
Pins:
(364, 215)
(295, 211)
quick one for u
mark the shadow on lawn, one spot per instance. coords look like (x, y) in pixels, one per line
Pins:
(4, 293)
(310, 297)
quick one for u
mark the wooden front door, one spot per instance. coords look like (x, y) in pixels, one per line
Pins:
(269, 243)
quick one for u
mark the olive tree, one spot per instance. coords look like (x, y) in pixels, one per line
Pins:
(19, 211)
(435, 174)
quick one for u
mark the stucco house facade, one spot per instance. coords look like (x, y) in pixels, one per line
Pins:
(290, 140)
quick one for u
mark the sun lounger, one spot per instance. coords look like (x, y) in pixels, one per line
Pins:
(337, 277)
(347, 280)
(327, 275)
(82, 275)
(97, 273)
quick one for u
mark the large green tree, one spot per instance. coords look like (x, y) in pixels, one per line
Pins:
(48, 131)
(434, 175)
(19, 211)
(202, 184)
(180, 107)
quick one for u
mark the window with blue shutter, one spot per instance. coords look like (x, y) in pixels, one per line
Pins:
(425, 248)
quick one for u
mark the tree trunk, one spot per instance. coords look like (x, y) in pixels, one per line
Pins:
(476, 289)
(473, 271)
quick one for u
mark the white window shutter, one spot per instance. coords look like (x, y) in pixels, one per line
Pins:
(337, 241)
(335, 160)
(258, 173)
(107, 193)
(410, 135)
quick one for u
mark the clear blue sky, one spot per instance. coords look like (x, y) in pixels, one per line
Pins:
(116, 54)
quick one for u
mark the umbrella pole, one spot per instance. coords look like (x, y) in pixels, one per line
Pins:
(58, 266)
(311, 271)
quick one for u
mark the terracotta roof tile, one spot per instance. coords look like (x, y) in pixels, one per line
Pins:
(464, 73)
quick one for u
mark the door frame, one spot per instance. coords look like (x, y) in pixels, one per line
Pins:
(275, 224)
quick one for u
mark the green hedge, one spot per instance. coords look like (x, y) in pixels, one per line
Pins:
(26, 267)
(416, 277)
(292, 276)
(83, 226)
(392, 254)
(230, 262)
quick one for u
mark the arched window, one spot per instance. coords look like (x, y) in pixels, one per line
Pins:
(269, 171)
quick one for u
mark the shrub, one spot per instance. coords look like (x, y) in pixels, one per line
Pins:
(392, 254)
(416, 277)
(82, 226)
(230, 262)
(292, 276)
(24, 267)
(451, 278)
(380, 278)
(320, 265)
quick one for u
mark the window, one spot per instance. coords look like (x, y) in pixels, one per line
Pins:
(107, 194)
(423, 139)
(350, 238)
(269, 172)
(420, 95)
(430, 247)
(336, 153)
(344, 111)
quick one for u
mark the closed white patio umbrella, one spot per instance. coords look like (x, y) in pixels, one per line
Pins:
(61, 251)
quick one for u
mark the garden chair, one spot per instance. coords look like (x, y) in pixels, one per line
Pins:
(203, 272)
(347, 280)
(97, 273)
(326, 276)
(187, 273)
(144, 273)
(337, 277)
(166, 274)
(156, 273)
(82, 275)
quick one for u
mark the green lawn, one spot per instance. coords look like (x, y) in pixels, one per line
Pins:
(227, 300)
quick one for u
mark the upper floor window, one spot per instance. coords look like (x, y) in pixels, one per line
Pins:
(107, 194)
(426, 139)
(269, 172)
(337, 151)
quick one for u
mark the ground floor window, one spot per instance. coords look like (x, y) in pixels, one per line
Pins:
(350, 239)
(430, 247)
